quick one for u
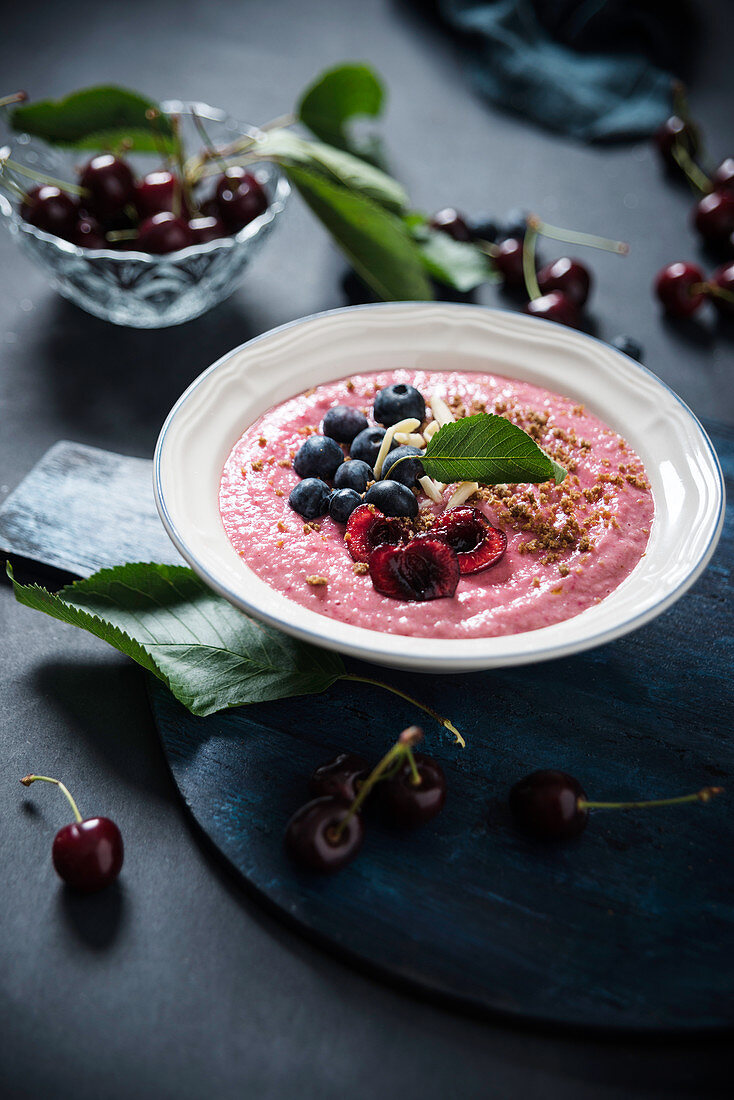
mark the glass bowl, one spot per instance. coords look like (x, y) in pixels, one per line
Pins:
(135, 288)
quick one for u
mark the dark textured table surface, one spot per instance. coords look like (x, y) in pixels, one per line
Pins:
(175, 983)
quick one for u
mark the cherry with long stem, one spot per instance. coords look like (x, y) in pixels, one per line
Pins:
(88, 853)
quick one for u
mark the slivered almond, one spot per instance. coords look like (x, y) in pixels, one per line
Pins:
(441, 412)
(408, 425)
(464, 490)
(431, 430)
(430, 488)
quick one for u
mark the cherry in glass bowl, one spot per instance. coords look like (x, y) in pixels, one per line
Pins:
(139, 289)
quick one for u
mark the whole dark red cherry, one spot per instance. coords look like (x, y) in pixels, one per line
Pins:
(408, 803)
(723, 279)
(158, 192)
(451, 222)
(555, 306)
(88, 853)
(207, 229)
(240, 198)
(88, 233)
(545, 805)
(110, 185)
(681, 288)
(340, 777)
(508, 261)
(723, 177)
(313, 839)
(569, 276)
(674, 133)
(713, 217)
(163, 233)
(50, 209)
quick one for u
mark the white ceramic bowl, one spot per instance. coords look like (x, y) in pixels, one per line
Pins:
(211, 415)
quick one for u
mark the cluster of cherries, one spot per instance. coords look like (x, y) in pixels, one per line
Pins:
(379, 512)
(328, 831)
(683, 287)
(557, 290)
(410, 790)
(158, 213)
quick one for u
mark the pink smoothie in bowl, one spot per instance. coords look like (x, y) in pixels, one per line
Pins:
(568, 546)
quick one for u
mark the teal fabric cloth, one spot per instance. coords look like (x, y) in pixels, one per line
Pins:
(521, 63)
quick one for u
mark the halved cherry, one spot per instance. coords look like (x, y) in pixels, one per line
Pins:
(368, 528)
(423, 569)
(469, 533)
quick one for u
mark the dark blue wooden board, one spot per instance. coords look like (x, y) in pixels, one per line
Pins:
(630, 926)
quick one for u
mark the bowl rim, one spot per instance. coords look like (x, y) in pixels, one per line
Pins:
(276, 206)
(459, 655)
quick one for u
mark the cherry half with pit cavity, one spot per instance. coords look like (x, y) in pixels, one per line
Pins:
(88, 853)
(468, 532)
(368, 528)
(423, 569)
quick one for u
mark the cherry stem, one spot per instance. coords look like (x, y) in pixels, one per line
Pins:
(153, 115)
(415, 775)
(395, 755)
(41, 177)
(704, 795)
(28, 779)
(185, 194)
(409, 699)
(122, 235)
(209, 148)
(528, 262)
(690, 169)
(571, 236)
(16, 97)
(714, 290)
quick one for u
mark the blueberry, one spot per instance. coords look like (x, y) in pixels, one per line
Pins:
(366, 446)
(318, 457)
(398, 402)
(514, 224)
(484, 228)
(629, 346)
(392, 499)
(353, 474)
(343, 423)
(342, 504)
(310, 498)
(409, 470)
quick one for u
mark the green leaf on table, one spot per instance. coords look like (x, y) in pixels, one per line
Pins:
(458, 264)
(95, 118)
(335, 100)
(209, 654)
(289, 150)
(376, 242)
(489, 449)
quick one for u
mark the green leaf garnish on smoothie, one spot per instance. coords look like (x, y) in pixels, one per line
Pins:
(489, 449)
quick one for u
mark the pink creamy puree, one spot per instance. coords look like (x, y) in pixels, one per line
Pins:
(567, 547)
